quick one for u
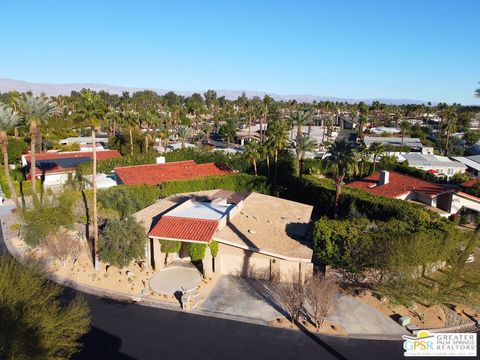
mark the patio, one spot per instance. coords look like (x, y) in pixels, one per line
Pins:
(179, 277)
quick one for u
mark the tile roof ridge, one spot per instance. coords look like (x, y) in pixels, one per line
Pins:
(165, 163)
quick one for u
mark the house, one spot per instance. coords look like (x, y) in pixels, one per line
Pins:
(396, 142)
(471, 162)
(437, 198)
(155, 174)
(259, 236)
(86, 143)
(55, 168)
(441, 166)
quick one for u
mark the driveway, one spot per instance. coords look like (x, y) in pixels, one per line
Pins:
(359, 319)
(241, 299)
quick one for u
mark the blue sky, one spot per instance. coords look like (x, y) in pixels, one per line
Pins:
(427, 50)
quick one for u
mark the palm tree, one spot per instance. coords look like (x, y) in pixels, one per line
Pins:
(36, 110)
(266, 152)
(449, 126)
(183, 132)
(252, 152)
(8, 120)
(404, 127)
(477, 92)
(339, 162)
(207, 128)
(299, 119)
(376, 149)
(304, 144)
(90, 110)
(362, 118)
(277, 135)
(362, 156)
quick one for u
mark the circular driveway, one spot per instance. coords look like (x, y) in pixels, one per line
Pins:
(175, 279)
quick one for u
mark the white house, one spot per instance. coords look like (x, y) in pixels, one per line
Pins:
(441, 166)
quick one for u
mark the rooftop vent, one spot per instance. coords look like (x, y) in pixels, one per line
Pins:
(384, 177)
(160, 160)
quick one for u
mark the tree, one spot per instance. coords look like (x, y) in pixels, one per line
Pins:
(36, 111)
(471, 137)
(339, 162)
(8, 120)
(207, 128)
(362, 156)
(304, 144)
(35, 323)
(299, 119)
(362, 118)
(228, 130)
(449, 127)
(477, 92)
(122, 241)
(404, 127)
(91, 111)
(321, 292)
(291, 295)
(376, 149)
(252, 152)
(277, 135)
(183, 132)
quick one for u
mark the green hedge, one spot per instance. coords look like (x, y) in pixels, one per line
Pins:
(233, 182)
(106, 166)
(214, 248)
(196, 251)
(22, 188)
(170, 246)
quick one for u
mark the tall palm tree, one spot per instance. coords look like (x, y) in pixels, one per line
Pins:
(339, 162)
(477, 92)
(362, 118)
(8, 120)
(37, 110)
(183, 132)
(277, 138)
(449, 126)
(207, 128)
(404, 127)
(304, 144)
(252, 152)
(90, 110)
(299, 119)
(362, 155)
(376, 149)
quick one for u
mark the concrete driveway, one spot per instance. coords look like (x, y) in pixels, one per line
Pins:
(176, 279)
(241, 299)
(359, 319)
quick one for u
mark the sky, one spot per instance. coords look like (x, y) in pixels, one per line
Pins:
(424, 49)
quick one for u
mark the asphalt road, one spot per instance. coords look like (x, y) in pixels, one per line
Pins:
(130, 331)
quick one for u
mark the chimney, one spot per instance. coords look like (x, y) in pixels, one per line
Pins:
(384, 177)
(160, 160)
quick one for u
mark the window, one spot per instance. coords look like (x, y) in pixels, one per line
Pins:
(450, 171)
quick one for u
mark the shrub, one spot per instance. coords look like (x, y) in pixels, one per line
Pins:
(196, 251)
(122, 241)
(214, 248)
(106, 166)
(127, 200)
(35, 321)
(16, 147)
(170, 246)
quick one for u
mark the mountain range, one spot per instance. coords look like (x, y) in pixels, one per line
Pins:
(65, 89)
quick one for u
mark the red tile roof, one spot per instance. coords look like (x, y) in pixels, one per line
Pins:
(181, 228)
(471, 183)
(101, 155)
(398, 185)
(154, 174)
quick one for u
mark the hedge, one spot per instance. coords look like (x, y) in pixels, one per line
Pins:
(196, 251)
(170, 246)
(233, 182)
(22, 188)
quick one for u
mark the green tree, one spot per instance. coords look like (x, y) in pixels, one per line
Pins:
(304, 144)
(404, 127)
(8, 120)
(299, 119)
(471, 137)
(376, 149)
(122, 241)
(339, 162)
(449, 127)
(277, 137)
(362, 117)
(183, 132)
(477, 92)
(252, 152)
(196, 251)
(36, 111)
(228, 130)
(34, 322)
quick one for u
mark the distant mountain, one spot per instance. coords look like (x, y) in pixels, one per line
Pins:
(65, 89)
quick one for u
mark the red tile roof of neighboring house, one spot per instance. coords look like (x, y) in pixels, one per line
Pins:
(398, 185)
(181, 228)
(461, 193)
(101, 155)
(154, 174)
(471, 182)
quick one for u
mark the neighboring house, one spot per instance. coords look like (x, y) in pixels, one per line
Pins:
(440, 199)
(259, 236)
(440, 166)
(396, 141)
(384, 130)
(55, 168)
(471, 162)
(155, 174)
(82, 141)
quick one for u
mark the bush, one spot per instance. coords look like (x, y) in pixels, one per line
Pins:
(36, 322)
(233, 182)
(214, 248)
(127, 200)
(234, 161)
(170, 246)
(16, 147)
(122, 241)
(106, 166)
(23, 188)
(196, 251)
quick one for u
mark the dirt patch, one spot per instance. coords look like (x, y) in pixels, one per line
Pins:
(328, 328)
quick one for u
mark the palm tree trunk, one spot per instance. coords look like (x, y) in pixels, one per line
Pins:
(268, 166)
(96, 262)
(15, 130)
(276, 170)
(338, 190)
(446, 143)
(255, 166)
(33, 166)
(261, 129)
(13, 192)
(374, 162)
(300, 167)
(146, 144)
(131, 141)
(401, 144)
